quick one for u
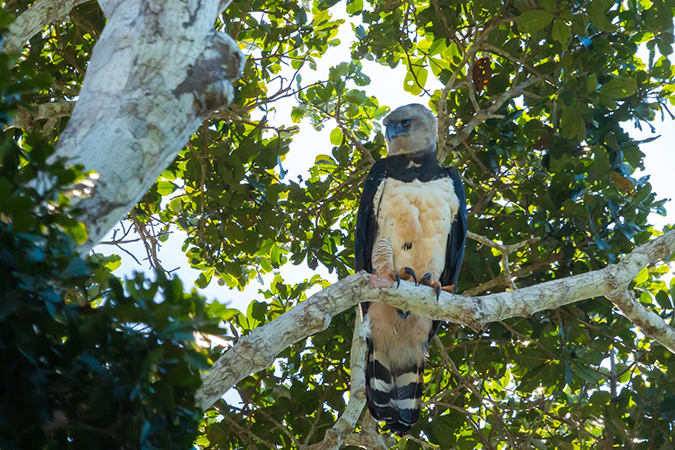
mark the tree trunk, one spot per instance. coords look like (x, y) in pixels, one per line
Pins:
(156, 72)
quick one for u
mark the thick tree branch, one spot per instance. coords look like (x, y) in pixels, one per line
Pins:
(44, 12)
(34, 19)
(259, 349)
(344, 426)
(144, 94)
(649, 323)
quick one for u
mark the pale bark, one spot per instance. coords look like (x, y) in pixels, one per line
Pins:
(51, 112)
(37, 17)
(344, 426)
(155, 73)
(258, 350)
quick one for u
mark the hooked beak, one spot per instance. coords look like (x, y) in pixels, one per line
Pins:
(397, 129)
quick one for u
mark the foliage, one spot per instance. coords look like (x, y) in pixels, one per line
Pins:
(87, 363)
(538, 96)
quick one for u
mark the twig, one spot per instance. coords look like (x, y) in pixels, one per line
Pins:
(442, 114)
(281, 427)
(364, 151)
(505, 251)
(346, 132)
(498, 51)
(149, 241)
(480, 118)
(240, 431)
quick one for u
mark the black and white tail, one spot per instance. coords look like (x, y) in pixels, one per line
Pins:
(394, 393)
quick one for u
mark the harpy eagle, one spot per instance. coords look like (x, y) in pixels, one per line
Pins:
(411, 221)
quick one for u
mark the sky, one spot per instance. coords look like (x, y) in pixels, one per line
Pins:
(387, 86)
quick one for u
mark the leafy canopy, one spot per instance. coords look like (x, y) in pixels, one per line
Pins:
(537, 98)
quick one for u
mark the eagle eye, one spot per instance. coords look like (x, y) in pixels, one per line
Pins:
(405, 123)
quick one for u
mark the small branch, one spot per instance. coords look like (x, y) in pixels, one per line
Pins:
(480, 118)
(25, 117)
(259, 349)
(442, 114)
(364, 151)
(505, 250)
(508, 249)
(149, 242)
(245, 434)
(346, 132)
(282, 428)
(507, 271)
(498, 51)
(520, 273)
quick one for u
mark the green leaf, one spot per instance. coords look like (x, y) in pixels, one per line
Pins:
(592, 82)
(596, 12)
(561, 32)
(572, 125)
(663, 299)
(336, 136)
(588, 375)
(642, 276)
(78, 232)
(620, 87)
(534, 20)
(165, 187)
(204, 278)
(354, 7)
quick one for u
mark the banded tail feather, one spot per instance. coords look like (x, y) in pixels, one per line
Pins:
(394, 394)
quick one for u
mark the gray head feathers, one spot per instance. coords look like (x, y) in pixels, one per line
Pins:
(410, 129)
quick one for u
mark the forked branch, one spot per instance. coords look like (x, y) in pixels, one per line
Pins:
(259, 349)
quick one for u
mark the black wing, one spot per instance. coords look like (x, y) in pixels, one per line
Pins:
(454, 254)
(366, 222)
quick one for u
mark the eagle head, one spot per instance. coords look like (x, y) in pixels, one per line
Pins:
(410, 129)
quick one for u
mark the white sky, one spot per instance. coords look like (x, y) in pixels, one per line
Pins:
(387, 86)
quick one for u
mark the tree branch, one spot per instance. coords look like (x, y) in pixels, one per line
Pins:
(34, 19)
(649, 323)
(259, 349)
(344, 426)
(506, 277)
(143, 97)
(25, 118)
(480, 118)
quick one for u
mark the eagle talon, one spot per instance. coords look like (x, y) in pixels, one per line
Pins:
(451, 288)
(438, 290)
(401, 314)
(407, 273)
(424, 279)
(394, 275)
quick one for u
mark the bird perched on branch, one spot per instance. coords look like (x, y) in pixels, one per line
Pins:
(411, 225)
